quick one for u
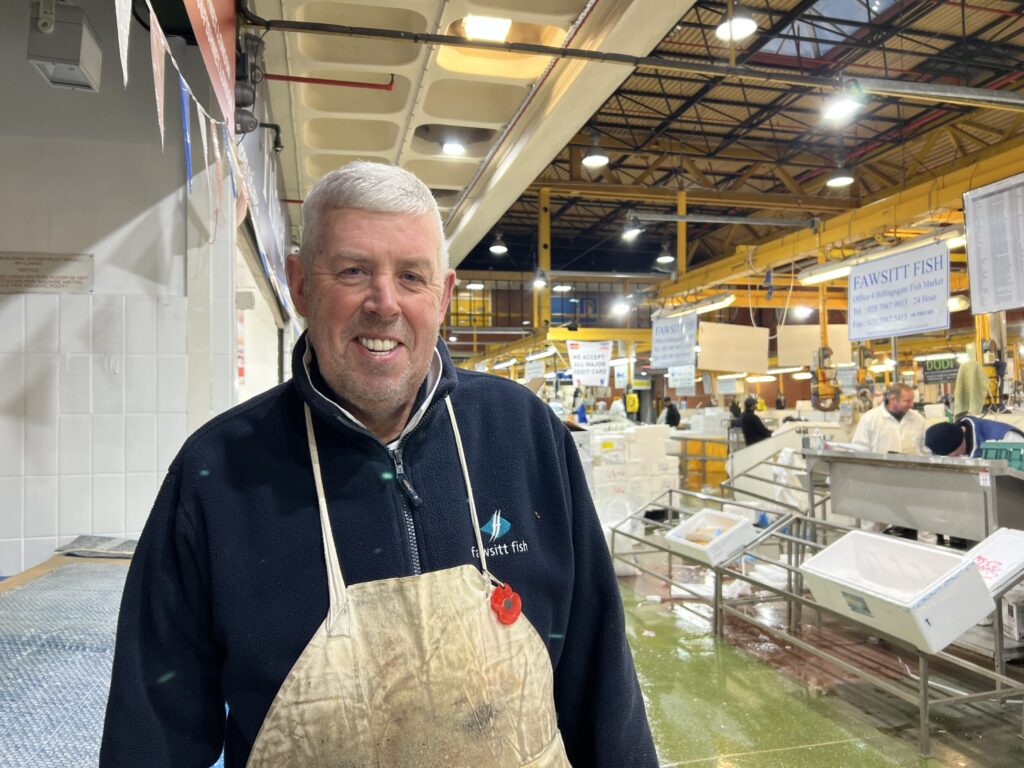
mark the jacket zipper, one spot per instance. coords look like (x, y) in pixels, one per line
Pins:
(410, 492)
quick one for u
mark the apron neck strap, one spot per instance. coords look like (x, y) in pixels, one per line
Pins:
(473, 518)
(337, 613)
(338, 616)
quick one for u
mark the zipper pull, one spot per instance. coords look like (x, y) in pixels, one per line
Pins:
(403, 479)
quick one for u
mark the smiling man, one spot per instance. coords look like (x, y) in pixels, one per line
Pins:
(316, 559)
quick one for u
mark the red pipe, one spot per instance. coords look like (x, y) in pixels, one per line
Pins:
(388, 86)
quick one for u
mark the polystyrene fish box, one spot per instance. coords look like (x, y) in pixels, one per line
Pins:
(711, 536)
(924, 595)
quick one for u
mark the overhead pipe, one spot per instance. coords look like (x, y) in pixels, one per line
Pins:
(977, 97)
(388, 86)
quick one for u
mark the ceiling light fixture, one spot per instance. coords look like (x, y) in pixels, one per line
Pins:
(935, 356)
(958, 303)
(802, 313)
(665, 257)
(727, 376)
(834, 270)
(620, 308)
(486, 28)
(780, 371)
(596, 157)
(498, 247)
(632, 229)
(739, 27)
(503, 365)
(542, 354)
(760, 379)
(803, 376)
(957, 242)
(540, 280)
(474, 286)
(453, 148)
(710, 304)
(561, 288)
(841, 177)
(453, 339)
(841, 108)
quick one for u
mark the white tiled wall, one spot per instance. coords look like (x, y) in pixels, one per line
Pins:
(93, 412)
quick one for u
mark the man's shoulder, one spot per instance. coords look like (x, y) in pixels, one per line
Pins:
(242, 419)
(494, 393)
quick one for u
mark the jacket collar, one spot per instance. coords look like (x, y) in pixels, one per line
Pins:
(440, 381)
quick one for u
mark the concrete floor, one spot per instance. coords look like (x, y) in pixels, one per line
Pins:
(745, 702)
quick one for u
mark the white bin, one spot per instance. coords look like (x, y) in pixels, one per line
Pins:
(727, 534)
(921, 594)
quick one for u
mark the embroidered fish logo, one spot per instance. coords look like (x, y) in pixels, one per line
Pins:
(496, 527)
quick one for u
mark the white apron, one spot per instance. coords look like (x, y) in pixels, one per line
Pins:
(414, 672)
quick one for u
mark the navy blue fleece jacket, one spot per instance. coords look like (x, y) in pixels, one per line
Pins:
(228, 583)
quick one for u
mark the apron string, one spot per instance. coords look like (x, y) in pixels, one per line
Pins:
(474, 519)
(338, 613)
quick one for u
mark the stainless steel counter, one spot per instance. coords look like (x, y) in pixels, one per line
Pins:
(968, 498)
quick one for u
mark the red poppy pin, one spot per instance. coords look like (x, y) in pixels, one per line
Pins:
(506, 603)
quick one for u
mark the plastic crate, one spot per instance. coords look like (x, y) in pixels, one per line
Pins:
(1007, 450)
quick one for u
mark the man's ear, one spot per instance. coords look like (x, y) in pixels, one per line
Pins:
(447, 285)
(298, 286)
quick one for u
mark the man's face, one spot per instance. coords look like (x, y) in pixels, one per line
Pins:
(901, 403)
(374, 301)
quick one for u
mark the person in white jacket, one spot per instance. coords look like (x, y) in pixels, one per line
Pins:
(894, 426)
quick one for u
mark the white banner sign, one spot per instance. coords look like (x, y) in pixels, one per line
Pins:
(728, 386)
(672, 341)
(590, 361)
(900, 295)
(682, 376)
(534, 369)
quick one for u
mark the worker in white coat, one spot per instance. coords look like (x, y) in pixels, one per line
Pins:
(894, 426)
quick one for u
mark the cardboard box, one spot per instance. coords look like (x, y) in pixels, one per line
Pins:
(726, 534)
(610, 473)
(923, 595)
(674, 447)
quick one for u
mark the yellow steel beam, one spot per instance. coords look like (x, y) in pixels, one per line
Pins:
(762, 201)
(901, 208)
(542, 297)
(639, 335)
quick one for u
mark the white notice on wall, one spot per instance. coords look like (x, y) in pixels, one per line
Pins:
(590, 361)
(728, 386)
(46, 272)
(672, 340)
(621, 377)
(900, 295)
(994, 215)
(682, 376)
(534, 369)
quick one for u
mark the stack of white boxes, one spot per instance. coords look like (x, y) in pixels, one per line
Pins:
(631, 468)
(709, 421)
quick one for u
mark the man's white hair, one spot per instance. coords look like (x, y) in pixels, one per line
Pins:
(367, 186)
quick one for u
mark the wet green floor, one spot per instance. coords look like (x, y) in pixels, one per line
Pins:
(711, 704)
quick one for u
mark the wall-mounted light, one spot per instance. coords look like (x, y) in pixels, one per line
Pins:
(498, 247)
